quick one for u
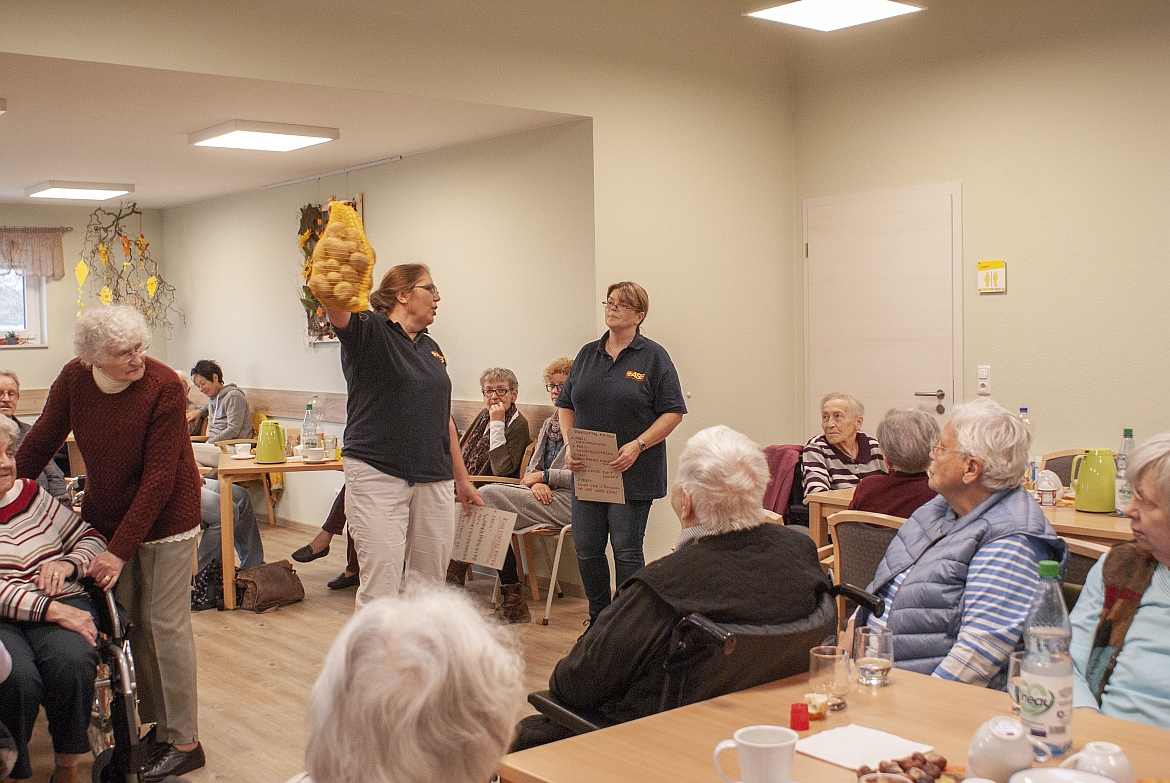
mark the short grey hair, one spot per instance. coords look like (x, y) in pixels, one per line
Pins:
(6, 373)
(995, 435)
(906, 435)
(1150, 462)
(104, 332)
(499, 374)
(725, 474)
(8, 432)
(855, 406)
(415, 688)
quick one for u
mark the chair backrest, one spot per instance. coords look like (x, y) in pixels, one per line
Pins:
(860, 539)
(698, 668)
(1082, 556)
(256, 419)
(1060, 463)
(527, 458)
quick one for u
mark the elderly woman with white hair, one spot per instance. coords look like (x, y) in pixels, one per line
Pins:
(959, 577)
(842, 455)
(728, 564)
(1120, 649)
(415, 689)
(127, 413)
(906, 436)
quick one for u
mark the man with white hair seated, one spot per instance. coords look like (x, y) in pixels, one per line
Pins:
(959, 577)
(415, 689)
(729, 565)
(842, 455)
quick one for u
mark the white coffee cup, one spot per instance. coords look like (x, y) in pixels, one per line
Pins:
(315, 454)
(766, 754)
(1002, 747)
(299, 450)
(1104, 758)
(242, 449)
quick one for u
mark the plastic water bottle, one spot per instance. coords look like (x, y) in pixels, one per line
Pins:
(1046, 673)
(1123, 492)
(1033, 462)
(310, 437)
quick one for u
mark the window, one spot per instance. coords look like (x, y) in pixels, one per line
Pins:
(22, 307)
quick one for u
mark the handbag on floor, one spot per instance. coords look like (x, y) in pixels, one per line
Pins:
(269, 586)
(207, 587)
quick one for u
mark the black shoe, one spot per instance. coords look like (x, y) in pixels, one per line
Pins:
(172, 761)
(342, 581)
(306, 554)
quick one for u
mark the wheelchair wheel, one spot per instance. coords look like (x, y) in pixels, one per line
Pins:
(101, 729)
(100, 764)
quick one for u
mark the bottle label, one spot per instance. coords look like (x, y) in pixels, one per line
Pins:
(1046, 707)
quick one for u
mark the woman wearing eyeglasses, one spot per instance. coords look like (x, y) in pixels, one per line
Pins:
(623, 383)
(128, 416)
(401, 456)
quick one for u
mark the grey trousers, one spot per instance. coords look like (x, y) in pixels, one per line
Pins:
(155, 588)
(249, 547)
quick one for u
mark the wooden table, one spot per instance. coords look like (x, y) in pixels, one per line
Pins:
(229, 471)
(1105, 529)
(676, 746)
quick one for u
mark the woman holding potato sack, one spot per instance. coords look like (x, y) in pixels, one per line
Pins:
(401, 450)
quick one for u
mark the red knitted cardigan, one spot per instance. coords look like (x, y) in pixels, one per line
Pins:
(141, 480)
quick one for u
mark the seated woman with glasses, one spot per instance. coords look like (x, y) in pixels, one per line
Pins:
(494, 443)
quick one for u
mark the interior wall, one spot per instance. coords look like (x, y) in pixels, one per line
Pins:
(1061, 151)
(505, 225)
(38, 367)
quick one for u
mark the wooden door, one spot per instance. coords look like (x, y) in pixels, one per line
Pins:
(883, 300)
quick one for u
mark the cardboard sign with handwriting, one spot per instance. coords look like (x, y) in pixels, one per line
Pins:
(483, 536)
(597, 481)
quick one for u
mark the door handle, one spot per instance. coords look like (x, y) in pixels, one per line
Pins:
(940, 394)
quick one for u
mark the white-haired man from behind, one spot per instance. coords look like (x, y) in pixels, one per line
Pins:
(729, 565)
(415, 689)
(959, 577)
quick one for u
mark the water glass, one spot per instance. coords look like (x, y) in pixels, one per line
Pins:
(330, 444)
(873, 655)
(828, 673)
(1013, 680)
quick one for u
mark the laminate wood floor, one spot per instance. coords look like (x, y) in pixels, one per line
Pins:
(256, 670)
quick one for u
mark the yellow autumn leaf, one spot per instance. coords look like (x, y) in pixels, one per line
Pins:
(106, 295)
(151, 285)
(104, 254)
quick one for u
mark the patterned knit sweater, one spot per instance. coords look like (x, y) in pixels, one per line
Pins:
(141, 484)
(35, 529)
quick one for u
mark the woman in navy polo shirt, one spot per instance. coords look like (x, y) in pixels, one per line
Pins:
(626, 384)
(401, 451)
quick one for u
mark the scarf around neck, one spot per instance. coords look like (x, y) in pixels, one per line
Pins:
(1127, 574)
(477, 444)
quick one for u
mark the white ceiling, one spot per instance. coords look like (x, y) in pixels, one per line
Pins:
(95, 122)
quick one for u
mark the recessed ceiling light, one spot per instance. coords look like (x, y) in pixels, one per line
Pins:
(826, 15)
(85, 191)
(269, 136)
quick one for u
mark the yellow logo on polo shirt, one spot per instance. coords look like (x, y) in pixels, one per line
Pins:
(438, 356)
(637, 376)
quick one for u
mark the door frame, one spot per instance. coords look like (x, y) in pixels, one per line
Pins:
(955, 191)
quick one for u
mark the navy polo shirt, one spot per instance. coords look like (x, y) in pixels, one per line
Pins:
(625, 397)
(399, 406)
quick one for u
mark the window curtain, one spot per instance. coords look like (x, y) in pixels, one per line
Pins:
(33, 251)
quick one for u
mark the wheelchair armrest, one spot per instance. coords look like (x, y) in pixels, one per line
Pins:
(875, 605)
(722, 637)
(577, 722)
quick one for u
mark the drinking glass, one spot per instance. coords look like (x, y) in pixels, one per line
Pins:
(1013, 680)
(828, 673)
(873, 655)
(330, 444)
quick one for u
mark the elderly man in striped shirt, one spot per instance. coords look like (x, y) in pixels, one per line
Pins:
(843, 455)
(959, 577)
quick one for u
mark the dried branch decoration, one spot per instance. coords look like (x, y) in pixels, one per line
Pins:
(121, 271)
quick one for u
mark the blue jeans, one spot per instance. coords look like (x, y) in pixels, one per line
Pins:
(624, 526)
(249, 547)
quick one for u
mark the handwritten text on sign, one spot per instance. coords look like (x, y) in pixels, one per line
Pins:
(597, 481)
(483, 536)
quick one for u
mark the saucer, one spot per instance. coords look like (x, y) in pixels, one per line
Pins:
(241, 456)
(315, 461)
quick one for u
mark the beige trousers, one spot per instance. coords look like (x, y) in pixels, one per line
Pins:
(394, 524)
(155, 588)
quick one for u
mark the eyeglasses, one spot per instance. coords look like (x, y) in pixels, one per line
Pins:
(621, 307)
(133, 353)
(9, 395)
(433, 290)
(495, 392)
(554, 387)
(937, 446)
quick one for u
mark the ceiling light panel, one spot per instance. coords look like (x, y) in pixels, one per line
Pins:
(267, 136)
(83, 191)
(828, 15)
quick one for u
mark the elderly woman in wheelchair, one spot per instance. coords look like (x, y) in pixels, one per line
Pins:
(46, 619)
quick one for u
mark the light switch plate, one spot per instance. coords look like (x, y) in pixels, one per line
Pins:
(983, 380)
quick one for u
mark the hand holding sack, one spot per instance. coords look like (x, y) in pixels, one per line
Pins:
(343, 263)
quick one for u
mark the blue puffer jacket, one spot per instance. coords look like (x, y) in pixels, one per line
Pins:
(937, 547)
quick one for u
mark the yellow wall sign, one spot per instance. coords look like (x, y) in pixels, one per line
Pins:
(992, 277)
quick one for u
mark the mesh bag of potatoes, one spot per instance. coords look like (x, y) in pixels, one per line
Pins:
(343, 263)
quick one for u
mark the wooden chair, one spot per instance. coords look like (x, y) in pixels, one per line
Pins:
(1082, 556)
(522, 544)
(507, 479)
(860, 539)
(259, 478)
(1060, 463)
